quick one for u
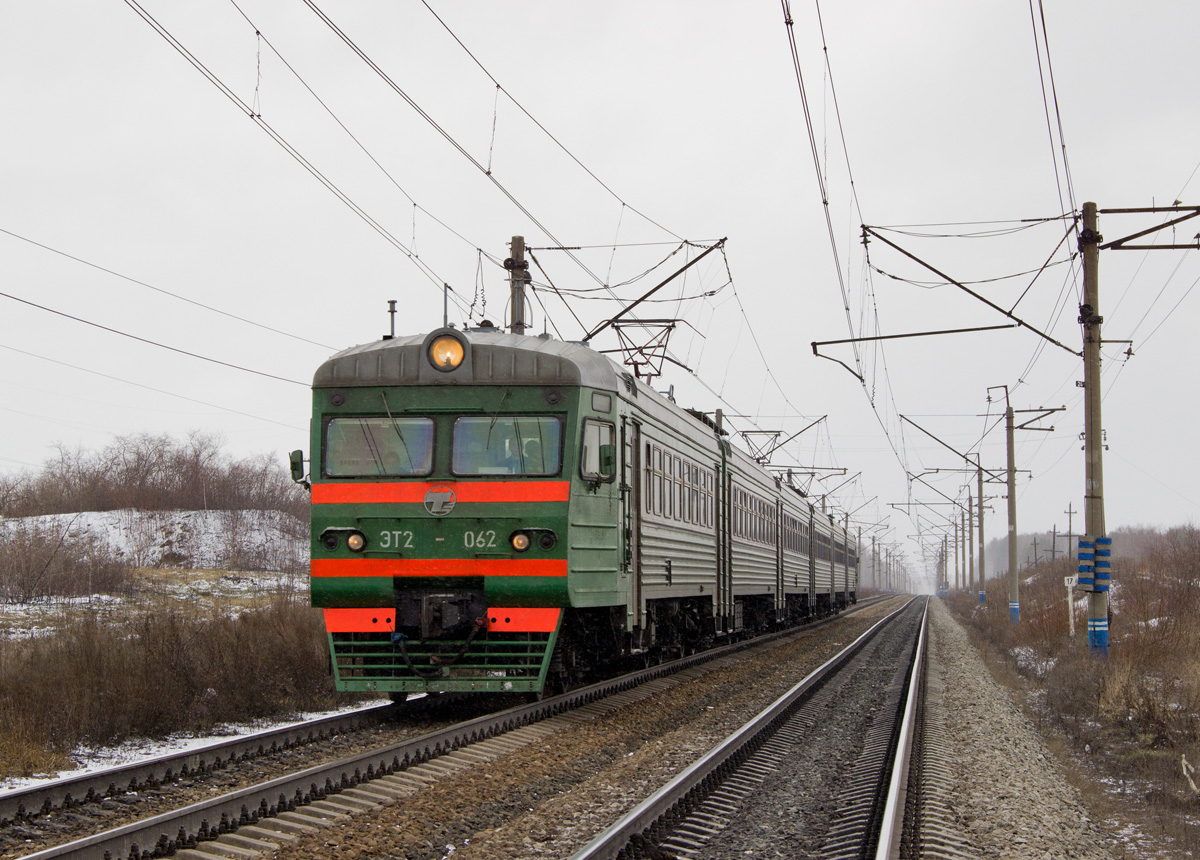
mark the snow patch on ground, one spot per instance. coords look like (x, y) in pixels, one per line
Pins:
(1028, 660)
(90, 760)
(194, 589)
(198, 558)
(260, 540)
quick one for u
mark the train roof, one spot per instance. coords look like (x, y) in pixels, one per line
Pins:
(494, 357)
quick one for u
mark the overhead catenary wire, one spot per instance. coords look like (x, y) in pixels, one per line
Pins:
(1016, 226)
(410, 250)
(346, 200)
(192, 302)
(878, 350)
(325, 106)
(174, 394)
(400, 91)
(153, 343)
(500, 89)
(933, 285)
(812, 140)
(1069, 203)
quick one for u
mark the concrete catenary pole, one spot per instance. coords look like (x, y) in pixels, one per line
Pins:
(518, 271)
(1093, 494)
(1070, 512)
(982, 560)
(970, 545)
(964, 546)
(1014, 600)
(957, 578)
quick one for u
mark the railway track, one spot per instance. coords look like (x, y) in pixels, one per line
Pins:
(289, 806)
(689, 816)
(65, 794)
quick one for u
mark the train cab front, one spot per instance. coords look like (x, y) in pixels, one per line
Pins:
(439, 517)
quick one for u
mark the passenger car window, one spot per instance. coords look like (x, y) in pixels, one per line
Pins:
(529, 445)
(363, 447)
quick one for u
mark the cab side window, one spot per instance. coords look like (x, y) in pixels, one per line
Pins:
(597, 461)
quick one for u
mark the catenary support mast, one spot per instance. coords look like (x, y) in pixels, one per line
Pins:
(518, 276)
(982, 561)
(1097, 540)
(1014, 600)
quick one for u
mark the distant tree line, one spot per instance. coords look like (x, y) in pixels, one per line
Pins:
(149, 472)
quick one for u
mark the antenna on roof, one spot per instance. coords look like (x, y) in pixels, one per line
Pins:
(392, 314)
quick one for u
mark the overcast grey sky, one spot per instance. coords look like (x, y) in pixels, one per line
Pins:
(119, 155)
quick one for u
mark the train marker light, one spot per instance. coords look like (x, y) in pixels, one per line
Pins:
(520, 541)
(446, 352)
(356, 541)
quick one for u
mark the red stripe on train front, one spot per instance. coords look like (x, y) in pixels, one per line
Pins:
(517, 619)
(438, 567)
(356, 620)
(464, 491)
(523, 619)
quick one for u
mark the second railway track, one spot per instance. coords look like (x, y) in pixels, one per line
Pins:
(807, 777)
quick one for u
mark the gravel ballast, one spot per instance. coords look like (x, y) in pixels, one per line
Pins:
(1010, 796)
(546, 800)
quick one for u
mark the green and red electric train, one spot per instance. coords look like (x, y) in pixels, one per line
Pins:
(500, 512)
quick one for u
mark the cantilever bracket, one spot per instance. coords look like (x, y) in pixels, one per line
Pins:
(1120, 244)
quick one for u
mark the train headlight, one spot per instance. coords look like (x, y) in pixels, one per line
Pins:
(356, 541)
(446, 352)
(520, 541)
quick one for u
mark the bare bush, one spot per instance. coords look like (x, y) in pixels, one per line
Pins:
(166, 673)
(38, 562)
(1135, 711)
(246, 546)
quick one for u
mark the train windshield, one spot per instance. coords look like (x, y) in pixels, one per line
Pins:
(359, 447)
(507, 445)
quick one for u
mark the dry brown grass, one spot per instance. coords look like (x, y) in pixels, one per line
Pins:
(97, 683)
(23, 751)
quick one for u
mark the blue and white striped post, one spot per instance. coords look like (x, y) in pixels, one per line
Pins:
(1087, 561)
(1014, 611)
(1098, 627)
(1103, 576)
(1095, 575)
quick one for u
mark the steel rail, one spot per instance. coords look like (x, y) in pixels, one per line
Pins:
(891, 828)
(151, 772)
(696, 780)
